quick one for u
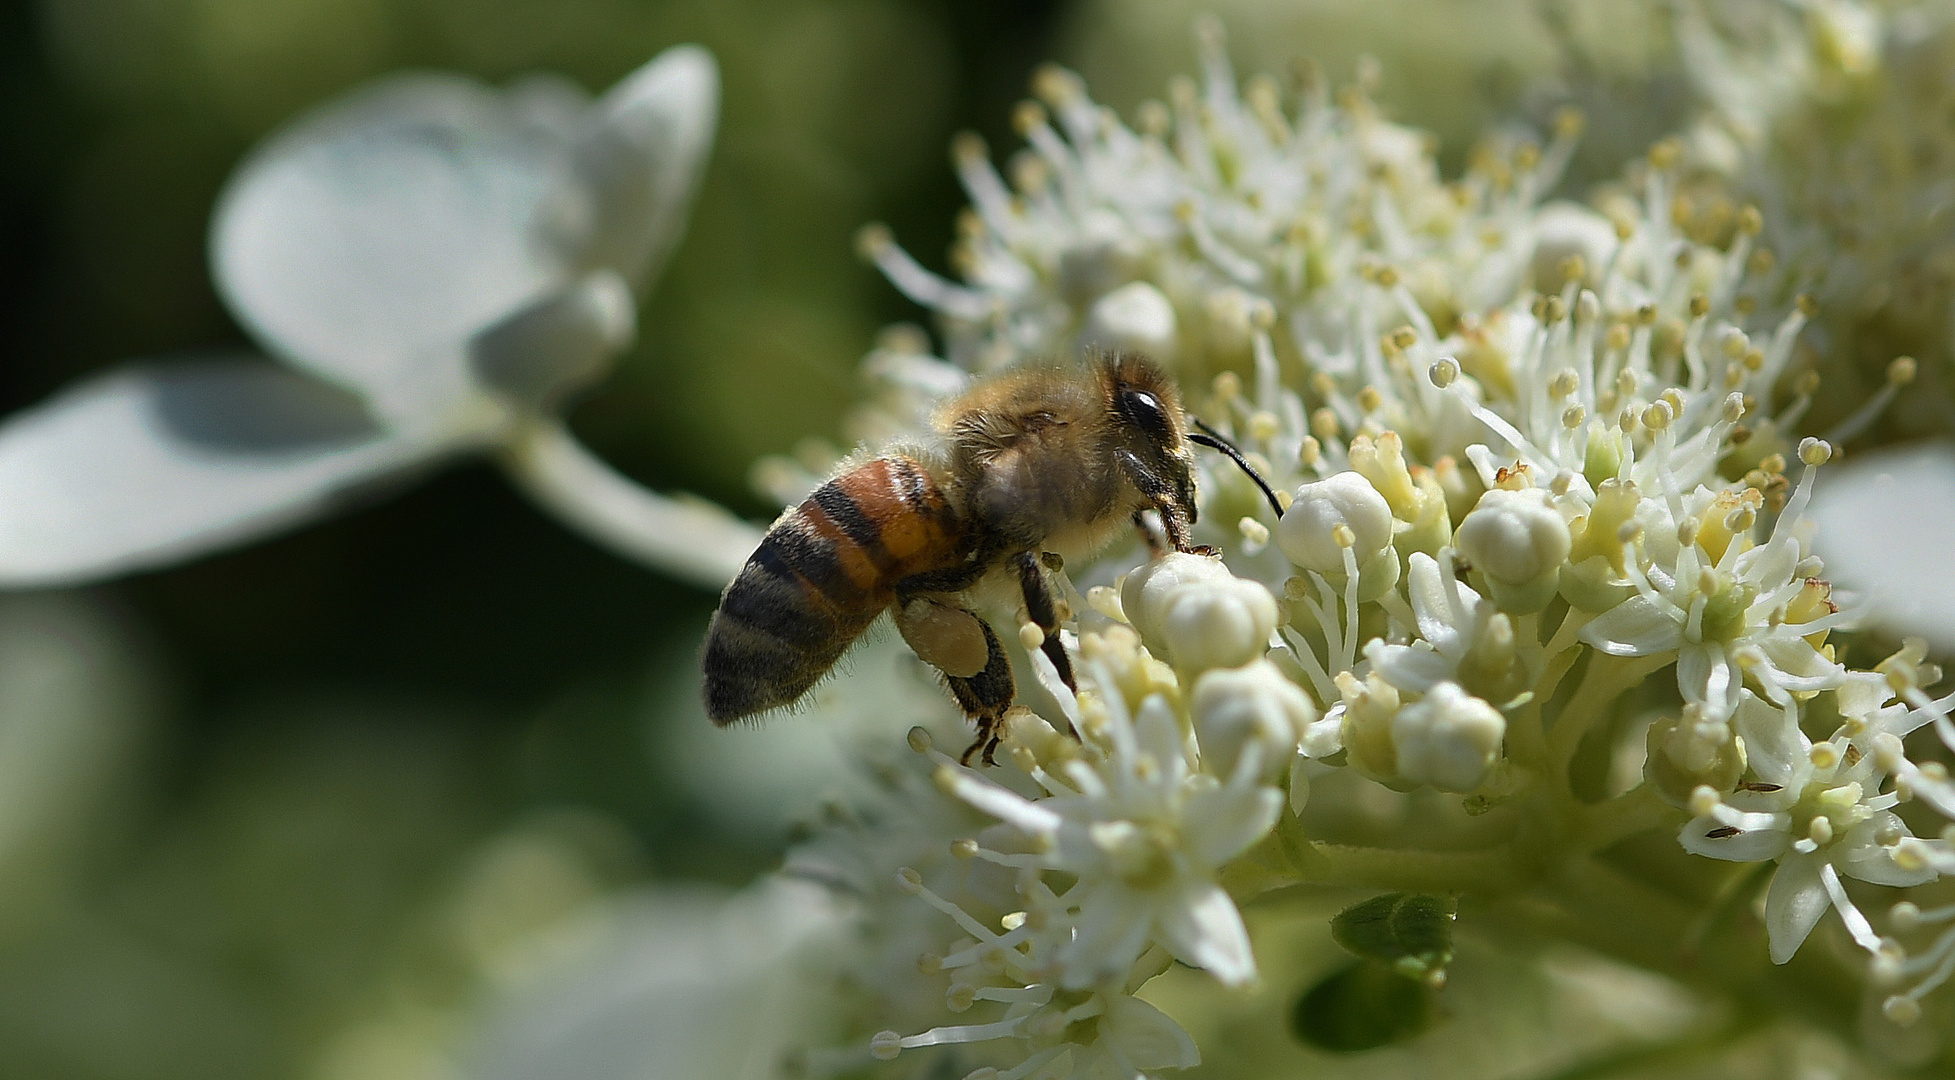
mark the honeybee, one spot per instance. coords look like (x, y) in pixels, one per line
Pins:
(1029, 468)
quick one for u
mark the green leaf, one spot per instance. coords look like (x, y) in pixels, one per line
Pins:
(1363, 1007)
(1411, 931)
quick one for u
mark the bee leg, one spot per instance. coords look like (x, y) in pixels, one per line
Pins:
(1044, 613)
(1176, 521)
(985, 696)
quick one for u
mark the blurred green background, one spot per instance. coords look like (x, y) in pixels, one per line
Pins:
(270, 814)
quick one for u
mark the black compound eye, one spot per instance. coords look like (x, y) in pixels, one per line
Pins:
(1145, 410)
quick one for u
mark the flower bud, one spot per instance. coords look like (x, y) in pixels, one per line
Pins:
(1518, 541)
(1688, 752)
(1135, 317)
(1448, 739)
(1366, 729)
(1565, 231)
(1307, 532)
(1218, 624)
(1144, 596)
(1234, 705)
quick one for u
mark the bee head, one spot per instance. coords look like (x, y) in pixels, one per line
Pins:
(1146, 411)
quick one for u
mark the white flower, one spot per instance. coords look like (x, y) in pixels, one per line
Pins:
(438, 266)
(1461, 637)
(1817, 810)
(1141, 834)
(1734, 613)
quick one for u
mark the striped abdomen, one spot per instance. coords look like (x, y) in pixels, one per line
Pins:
(824, 572)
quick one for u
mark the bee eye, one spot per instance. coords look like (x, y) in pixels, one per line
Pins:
(1144, 410)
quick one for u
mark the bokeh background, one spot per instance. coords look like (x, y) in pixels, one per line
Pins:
(289, 811)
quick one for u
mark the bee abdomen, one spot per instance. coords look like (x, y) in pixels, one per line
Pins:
(819, 578)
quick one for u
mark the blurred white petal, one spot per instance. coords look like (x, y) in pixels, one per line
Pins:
(681, 985)
(685, 536)
(153, 464)
(640, 160)
(758, 778)
(1145, 1036)
(548, 100)
(1886, 527)
(558, 344)
(373, 236)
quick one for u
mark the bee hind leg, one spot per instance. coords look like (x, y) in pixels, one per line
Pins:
(985, 697)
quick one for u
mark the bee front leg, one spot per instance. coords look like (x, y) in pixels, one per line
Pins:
(1176, 509)
(985, 696)
(1044, 613)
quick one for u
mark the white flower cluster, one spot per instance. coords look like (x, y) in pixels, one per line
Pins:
(1100, 863)
(1535, 455)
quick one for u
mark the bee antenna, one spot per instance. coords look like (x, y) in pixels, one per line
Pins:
(1209, 437)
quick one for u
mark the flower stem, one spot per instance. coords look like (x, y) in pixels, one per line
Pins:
(690, 539)
(1605, 678)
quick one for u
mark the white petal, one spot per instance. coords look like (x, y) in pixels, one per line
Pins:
(560, 344)
(1883, 527)
(1705, 677)
(1635, 627)
(386, 228)
(640, 161)
(1794, 904)
(1205, 930)
(1111, 933)
(1409, 667)
(1751, 845)
(1157, 733)
(1431, 607)
(1861, 856)
(665, 982)
(1799, 665)
(1221, 822)
(1774, 746)
(152, 465)
(1145, 1036)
